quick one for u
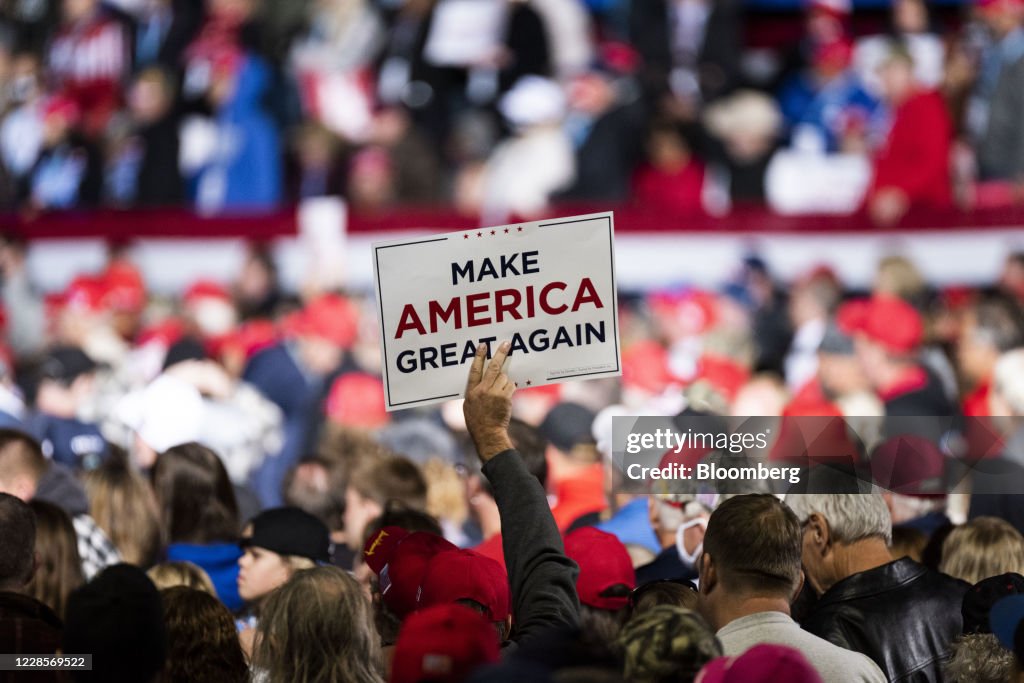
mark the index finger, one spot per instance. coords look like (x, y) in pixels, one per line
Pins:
(476, 369)
(497, 362)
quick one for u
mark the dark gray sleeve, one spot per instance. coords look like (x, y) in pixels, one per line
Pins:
(542, 578)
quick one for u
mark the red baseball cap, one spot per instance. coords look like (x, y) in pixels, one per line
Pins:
(379, 546)
(84, 293)
(910, 465)
(888, 320)
(205, 289)
(724, 374)
(357, 399)
(760, 664)
(124, 289)
(250, 337)
(645, 365)
(694, 310)
(604, 562)
(466, 575)
(329, 316)
(403, 570)
(444, 643)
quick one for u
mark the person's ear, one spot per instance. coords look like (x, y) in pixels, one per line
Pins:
(708, 574)
(821, 535)
(24, 488)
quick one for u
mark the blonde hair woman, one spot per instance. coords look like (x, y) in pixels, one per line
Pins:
(317, 628)
(123, 505)
(984, 547)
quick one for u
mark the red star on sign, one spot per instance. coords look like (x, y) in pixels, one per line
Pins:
(465, 237)
(492, 232)
(506, 231)
(519, 229)
(528, 382)
(479, 234)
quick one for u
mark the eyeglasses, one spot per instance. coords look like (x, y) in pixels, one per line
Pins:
(638, 593)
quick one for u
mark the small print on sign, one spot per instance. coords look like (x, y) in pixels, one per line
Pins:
(547, 286)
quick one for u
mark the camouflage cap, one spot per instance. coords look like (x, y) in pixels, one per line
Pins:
(667, 641)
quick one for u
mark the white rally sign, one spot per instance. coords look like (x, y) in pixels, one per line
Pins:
(548, 287)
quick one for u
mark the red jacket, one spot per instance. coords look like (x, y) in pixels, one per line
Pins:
(915, 156)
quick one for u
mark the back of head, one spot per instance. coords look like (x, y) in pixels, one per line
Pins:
(982, 548)
(21, 461)
(755, 544)
(118, 619)
(851, 517)
(17, 542)
(310, 486)
(59, 569)
(567, 427)
(317, 627)
(999, 323)
(397, 513)
(667, 643)
(390, 478)
(531, 446)
(196, 499)
(122, 504)
(202, 642)
(674, 592)
(172, 574)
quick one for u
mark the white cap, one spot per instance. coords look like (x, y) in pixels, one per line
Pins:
(167, 413)
(533, 100)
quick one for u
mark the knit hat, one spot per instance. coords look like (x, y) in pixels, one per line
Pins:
(290, 531)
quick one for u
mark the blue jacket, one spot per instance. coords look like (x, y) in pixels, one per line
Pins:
(220, 561)
(248, 157)
(826, 109)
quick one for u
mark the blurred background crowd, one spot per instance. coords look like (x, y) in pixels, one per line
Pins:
(501, 107)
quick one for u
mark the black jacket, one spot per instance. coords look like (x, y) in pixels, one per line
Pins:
(542, 578)
(902, 615)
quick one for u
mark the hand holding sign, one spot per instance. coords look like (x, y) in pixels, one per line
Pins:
(488, 404)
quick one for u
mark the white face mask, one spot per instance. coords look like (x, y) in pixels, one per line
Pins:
(689, 559)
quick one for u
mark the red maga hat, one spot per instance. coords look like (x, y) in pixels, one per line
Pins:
(604, 562)
(888, 320)
(466, 575)
(401, 564)
(444, 643)
(329, 316)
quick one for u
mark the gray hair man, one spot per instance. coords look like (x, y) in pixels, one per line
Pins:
(899, 613)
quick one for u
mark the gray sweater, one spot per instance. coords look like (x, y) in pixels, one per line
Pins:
(835, 664)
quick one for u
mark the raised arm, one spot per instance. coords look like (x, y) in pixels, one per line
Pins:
(541, 577)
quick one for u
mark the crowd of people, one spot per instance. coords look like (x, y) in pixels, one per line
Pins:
(241, 105)
(208, 487)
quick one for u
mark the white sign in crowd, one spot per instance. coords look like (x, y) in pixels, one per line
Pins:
(548, 287)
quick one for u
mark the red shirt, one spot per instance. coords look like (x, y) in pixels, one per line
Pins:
(915, 156)
(579, 495)
(672, 191)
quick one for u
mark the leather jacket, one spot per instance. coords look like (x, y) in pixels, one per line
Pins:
(902, 615)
